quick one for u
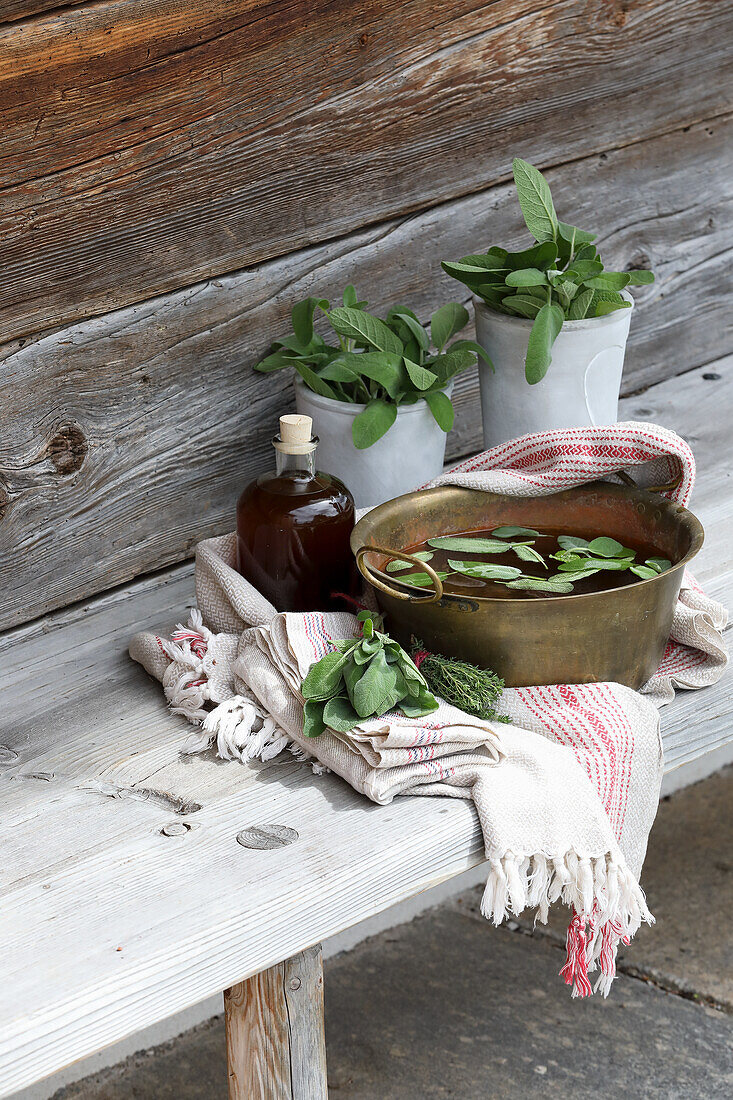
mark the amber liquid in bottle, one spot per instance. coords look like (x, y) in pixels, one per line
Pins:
(293, 530)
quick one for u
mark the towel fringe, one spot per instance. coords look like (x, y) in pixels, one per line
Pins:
(607, 905)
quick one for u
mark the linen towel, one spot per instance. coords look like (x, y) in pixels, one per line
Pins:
(566, 794)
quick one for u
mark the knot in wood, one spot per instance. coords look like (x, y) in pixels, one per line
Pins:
(176, 828)
(266, 837)
(294, 984)
(67, 449)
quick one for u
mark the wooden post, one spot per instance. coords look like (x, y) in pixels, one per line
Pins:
(276, 1046)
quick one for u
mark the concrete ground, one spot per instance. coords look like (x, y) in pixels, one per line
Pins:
(446, 1006)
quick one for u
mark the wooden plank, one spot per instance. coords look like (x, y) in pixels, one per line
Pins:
(106, 825)
(125, 439)
(276, 1044)
(149, 145)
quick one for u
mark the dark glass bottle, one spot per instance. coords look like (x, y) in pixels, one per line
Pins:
(293, 528)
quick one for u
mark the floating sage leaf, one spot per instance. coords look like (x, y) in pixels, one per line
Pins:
(486, 571)
(608, 548)
(571, 542)
(512, 532)
(541, 584)
(525, 552)
(421, 580)
(660, 565)
(469, 545)
(397, 566)
(644, 571)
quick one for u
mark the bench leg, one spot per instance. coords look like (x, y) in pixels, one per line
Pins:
(276, 1045)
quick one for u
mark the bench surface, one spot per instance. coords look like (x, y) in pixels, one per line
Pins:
(125, 895)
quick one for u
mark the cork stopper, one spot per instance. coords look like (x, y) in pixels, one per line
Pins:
(296, 435)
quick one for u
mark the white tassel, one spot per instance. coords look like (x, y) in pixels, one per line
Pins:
(242, 732)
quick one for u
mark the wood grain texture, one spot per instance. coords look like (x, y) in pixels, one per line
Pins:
(149, 145)
(111, 920)
(276, 1046)
(126, 439)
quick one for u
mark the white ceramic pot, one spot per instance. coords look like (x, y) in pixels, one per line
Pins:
(409, 454)
(581, 387)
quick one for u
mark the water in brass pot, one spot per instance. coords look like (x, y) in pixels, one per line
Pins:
(522, 562)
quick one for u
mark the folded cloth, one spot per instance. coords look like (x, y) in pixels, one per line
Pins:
(566, 793)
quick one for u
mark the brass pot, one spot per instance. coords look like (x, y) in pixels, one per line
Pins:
(616, 635)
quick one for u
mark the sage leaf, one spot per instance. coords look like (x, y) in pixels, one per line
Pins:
(574, 578)
(541, 584)
(313, 724)
(513, 532)
(421, 580)
(337, 371)
(523, 305)
(539, 255)
(486, 571)
(469, 345)
(640, 277)
(415, 328)
(350, 297)
(313, 381)
(469, 545)
(602, 308)
(607, 547)
(572, 233)
(324, 676)
(376, 682)
(442, 409)
(527, 553)
(453, 361)
(542, 336)
(527, 276)
(301, 317)
(446, 322)
(397, 566)
(609, 280)
(571, 542)
(578, 308)
(363, 326)
(643, 571)
(276, 361)
(425, 703)
(421, 378)
(535, 201)
(661, 565)
(372, 423)
(339, 714)
(382, 367)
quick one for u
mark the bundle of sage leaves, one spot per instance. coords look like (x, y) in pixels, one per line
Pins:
(381, 364)
(363, 678)
(561, 278)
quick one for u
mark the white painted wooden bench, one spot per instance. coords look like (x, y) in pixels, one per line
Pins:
(134, 882)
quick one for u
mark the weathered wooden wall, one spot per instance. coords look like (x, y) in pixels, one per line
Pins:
(160, 162)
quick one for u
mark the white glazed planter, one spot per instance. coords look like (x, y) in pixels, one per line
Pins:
(581, 387)
(411, 453)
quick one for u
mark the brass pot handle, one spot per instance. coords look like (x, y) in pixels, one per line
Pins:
(628, 480)
(373, 575)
